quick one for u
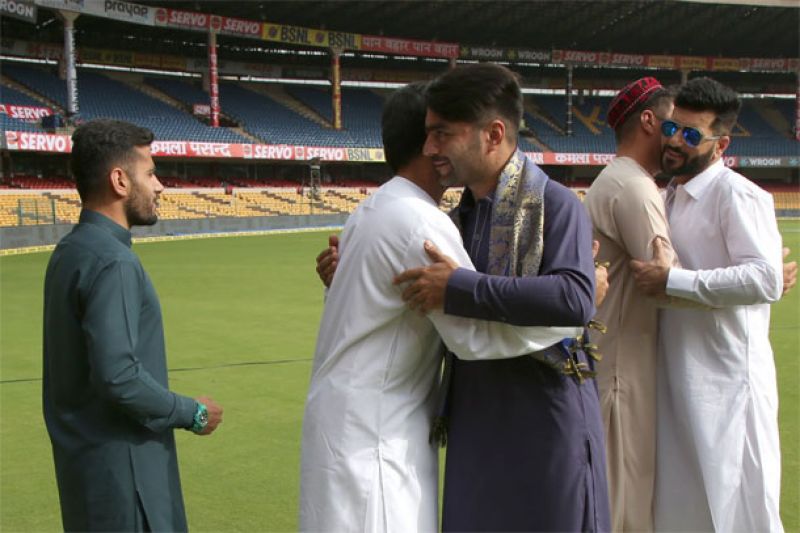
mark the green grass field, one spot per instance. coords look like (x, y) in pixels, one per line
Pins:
(241, 316)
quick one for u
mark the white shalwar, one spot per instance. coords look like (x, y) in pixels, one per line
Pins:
(366, 461)
(718, 455)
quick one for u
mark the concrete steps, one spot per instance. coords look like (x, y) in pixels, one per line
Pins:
(773, 117)
(279, 95)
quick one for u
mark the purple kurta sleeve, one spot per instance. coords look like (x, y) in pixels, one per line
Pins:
(563, 292)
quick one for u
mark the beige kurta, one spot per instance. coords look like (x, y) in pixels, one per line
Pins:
(627, 212)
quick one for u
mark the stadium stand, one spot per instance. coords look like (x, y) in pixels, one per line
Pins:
(787, 200)
(21, 181)
(590, 133)
(764, 126)
(63, 206)
(24, 207)
(270, 121)
(361, 113)
(47, 207)
(12, 124)
(302, 114)
(166, 121)
(187, 92)
(39, 80)
(9, 95)
(755, 136)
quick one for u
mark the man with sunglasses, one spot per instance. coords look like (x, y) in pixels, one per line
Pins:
(718, 455)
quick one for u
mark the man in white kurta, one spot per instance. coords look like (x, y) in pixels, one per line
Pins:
(718, 455)
(718, 449)
(367, 464)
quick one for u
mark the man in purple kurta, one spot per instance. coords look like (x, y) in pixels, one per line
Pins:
(525, 444)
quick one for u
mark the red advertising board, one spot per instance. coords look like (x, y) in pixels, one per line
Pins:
(240, 27)
(41, 142)
(182, 19)
(38, 142)
(25, 113)
(623, 60)
(387, 45)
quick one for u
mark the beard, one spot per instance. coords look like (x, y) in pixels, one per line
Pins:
(139, 210)
(691, 166)
(465, 166)
(448, 180)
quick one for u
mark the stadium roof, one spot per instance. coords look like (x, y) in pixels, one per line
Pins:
(636, 27)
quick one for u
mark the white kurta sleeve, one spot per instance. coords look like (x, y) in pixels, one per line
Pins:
(469, 338)
(754, 246)
(473, 339)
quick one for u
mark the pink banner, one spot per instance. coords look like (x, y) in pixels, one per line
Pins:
(576, 56)
(730, 161)
(628, 60)
(590, 159)
(278, 152)
(41, 142)
(586, 57)
(773, 64)
(182, 19)
(25, 113)
(241, 27)
(195, 149)
(409, 47)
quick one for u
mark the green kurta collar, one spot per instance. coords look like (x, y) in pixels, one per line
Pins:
(93, 217)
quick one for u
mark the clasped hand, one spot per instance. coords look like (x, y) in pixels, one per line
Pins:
(428, 284)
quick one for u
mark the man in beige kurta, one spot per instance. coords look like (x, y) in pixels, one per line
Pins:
(627, 213)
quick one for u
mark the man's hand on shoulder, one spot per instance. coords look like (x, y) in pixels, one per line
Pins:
(427, 284)
(651, 276)
(328, 260)
(600, 276)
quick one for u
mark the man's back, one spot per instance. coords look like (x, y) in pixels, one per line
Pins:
(627, 214)
(371, 397)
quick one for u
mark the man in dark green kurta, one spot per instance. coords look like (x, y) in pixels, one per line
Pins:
(107, 406)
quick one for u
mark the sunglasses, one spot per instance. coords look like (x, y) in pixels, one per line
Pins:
(692, 136)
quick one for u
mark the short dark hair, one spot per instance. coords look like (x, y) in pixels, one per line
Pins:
(472, 93)
(403, 125)
(705, 94)
(658, 102)
(100, 145)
